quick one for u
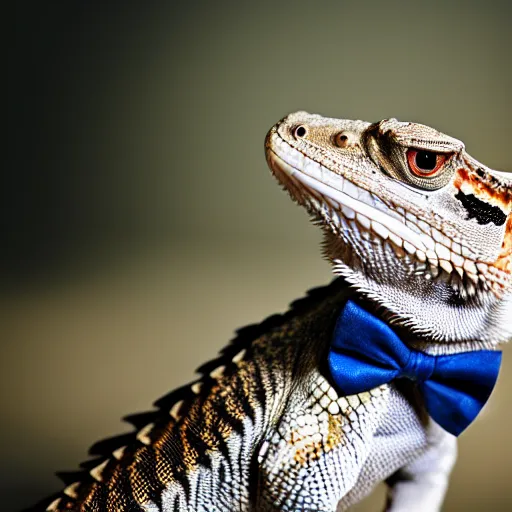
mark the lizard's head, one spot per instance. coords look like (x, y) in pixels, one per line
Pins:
(411, 220)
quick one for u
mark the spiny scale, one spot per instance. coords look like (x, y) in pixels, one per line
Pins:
(195, 425)
(263, 429)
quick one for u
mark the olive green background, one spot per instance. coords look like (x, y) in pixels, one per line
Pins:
(141, 225)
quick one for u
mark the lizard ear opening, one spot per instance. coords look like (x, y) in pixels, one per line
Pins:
(504, 261)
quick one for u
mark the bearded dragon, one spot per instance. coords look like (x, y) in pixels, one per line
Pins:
(418, 232)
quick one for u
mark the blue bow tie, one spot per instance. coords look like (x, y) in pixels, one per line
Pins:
(365, 353)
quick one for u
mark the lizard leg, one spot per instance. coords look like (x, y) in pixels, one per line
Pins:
(421, 485)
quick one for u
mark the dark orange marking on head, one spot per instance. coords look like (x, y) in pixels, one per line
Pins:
(485, 188)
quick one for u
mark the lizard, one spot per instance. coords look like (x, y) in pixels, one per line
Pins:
(420, 234)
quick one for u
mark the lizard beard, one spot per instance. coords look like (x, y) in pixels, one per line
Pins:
(431, 311)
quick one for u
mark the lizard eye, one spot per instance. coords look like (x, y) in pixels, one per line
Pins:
(299, 132)
(425, 163)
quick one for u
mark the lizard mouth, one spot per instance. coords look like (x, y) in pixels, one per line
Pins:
(343, 206)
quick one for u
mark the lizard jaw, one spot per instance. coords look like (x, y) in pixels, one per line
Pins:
(350, 207)
(331, 197)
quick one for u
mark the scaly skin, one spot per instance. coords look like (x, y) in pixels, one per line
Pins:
(435, 251)
(428, 248)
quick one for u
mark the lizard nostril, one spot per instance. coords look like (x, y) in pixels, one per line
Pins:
(341, 140)
(300, 131)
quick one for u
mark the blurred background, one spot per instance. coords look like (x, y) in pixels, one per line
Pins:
(141, 225)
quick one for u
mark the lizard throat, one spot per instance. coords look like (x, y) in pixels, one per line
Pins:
(345, 207)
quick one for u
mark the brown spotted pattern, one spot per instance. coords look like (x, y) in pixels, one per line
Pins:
(260, 366)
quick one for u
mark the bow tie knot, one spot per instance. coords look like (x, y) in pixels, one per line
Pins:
(419, 366)
(366, 353)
